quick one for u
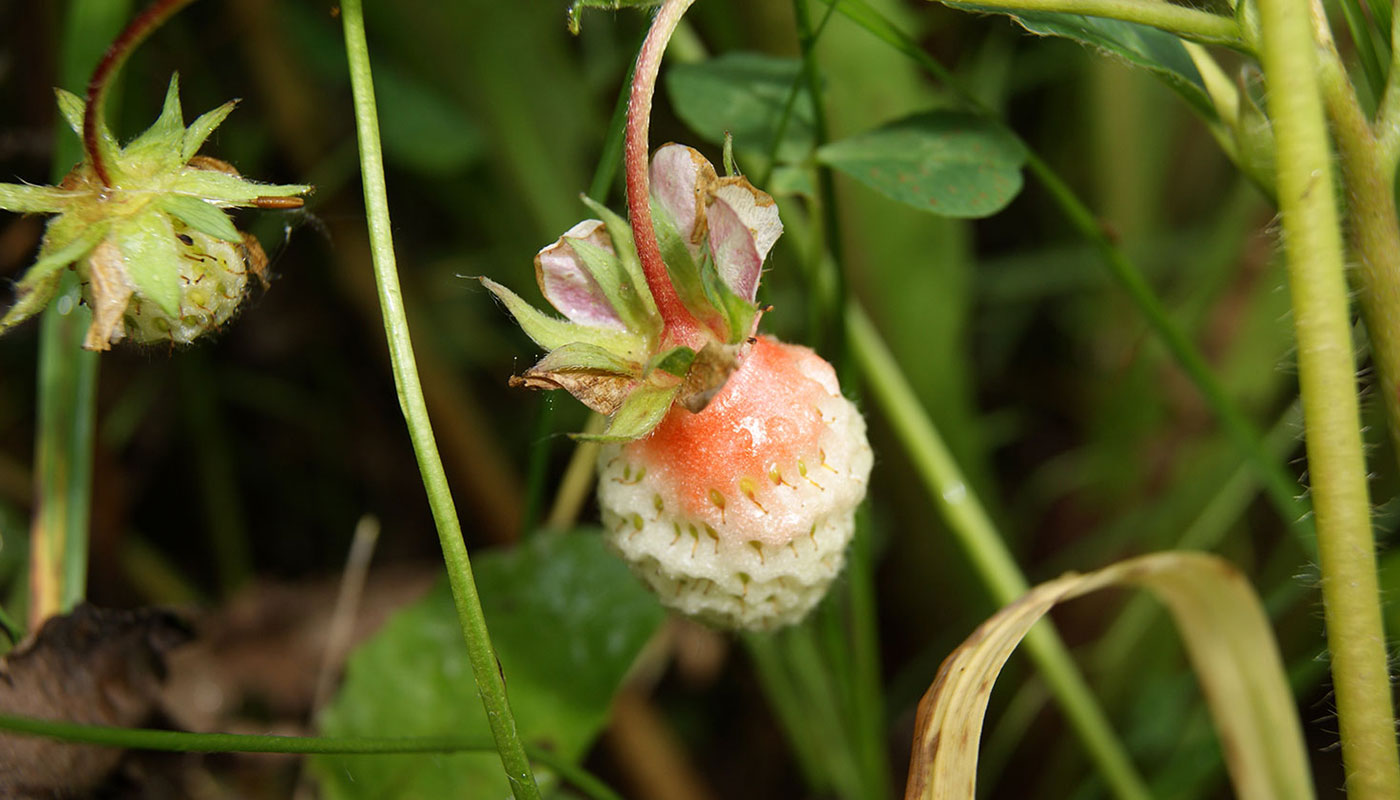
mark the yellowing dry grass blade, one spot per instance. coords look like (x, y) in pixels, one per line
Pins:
(1227, 637)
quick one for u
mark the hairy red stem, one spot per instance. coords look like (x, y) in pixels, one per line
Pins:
(121, 48)
(681, 327)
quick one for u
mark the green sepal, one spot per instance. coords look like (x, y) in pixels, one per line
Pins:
(232, 190)
(199, 130)
(621, 234)
(684, 272)
(23, 199)
(40, 282)
(640, 413)
(675, 361)
(606, 269)
(551, 333)
(586, 357)
(199, 215)
(737, 312)
(151, 258)
(71, 107)
(160, 144)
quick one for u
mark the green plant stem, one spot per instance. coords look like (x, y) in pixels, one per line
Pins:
(968, 521)
(1326, 365)
(1388, 112)
(67, 373)
(830, 290)
(1188, 23)
(489, 680)
(181, 742)
(131, 37)
(1371, 217)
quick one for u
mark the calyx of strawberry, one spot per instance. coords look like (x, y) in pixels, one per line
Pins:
(613, 349)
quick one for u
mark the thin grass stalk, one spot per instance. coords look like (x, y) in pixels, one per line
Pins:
(1326, 370)
(490, 682)
(182, 742)
(969, 523)
(67, 382)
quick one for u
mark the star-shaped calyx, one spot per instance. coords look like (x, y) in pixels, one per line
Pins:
(612, 351)
(157, 255)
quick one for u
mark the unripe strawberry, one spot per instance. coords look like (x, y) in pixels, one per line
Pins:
(740, 514)
(146, 231)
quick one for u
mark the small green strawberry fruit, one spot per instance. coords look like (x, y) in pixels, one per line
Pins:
(158, 256)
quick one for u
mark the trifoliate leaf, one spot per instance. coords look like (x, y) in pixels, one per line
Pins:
(203, 217)
(948, 163)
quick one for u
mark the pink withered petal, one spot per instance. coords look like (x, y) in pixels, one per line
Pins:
(566, 282)
(755, 208)
(679, 176)
(736, 258)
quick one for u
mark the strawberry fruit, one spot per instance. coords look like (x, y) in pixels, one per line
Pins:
(732, 465)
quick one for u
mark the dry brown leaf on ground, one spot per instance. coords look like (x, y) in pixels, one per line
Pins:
(1227, 637)
(94, 666)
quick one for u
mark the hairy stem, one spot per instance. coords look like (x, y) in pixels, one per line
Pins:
(489, 680)
(681, 326)
(1326, 372)
(121, 49)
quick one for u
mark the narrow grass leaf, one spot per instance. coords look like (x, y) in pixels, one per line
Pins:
(1227, 637)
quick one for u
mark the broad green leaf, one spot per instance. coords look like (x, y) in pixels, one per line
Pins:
(744, 94)
(550, 333)
(946, 162)
(642, 411)
(199, 130)
(203, 217)
(23, 199)
(1227, 637)
(567, 621)
(1155, 50)
(151, 258)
